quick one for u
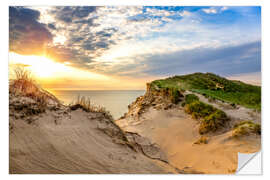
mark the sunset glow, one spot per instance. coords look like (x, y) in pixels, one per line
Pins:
(125, 47)
(46, 70)
(40, 66)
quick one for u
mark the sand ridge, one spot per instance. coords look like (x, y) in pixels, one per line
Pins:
(175, 132)
(64, 141)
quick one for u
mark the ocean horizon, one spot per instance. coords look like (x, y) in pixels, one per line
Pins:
(115, 101)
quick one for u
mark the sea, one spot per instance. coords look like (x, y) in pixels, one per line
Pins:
(115, 101)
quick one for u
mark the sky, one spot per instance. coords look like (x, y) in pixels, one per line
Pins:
(123, 47)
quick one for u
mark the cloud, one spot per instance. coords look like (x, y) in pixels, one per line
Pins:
(26, 35)
(224, 8)
(185, 13)
(210, 11)
(90, 34)
(141, 41)
(215, 10)
(68, 14)
(224, 60)
(251, 78)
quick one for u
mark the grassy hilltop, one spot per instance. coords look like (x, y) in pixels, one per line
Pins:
(214, 86)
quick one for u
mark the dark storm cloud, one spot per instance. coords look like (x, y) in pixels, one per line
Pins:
(26, 35)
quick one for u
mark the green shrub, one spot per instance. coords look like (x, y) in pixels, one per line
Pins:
(213, 122)
(201, 109)
(214, 86)
(211, 118)
(189, 98)
(174, 95)
(246, 128)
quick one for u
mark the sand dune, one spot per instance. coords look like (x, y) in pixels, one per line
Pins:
(61, 140)
(157, 136)
(175, 132)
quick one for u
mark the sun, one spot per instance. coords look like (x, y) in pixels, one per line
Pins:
(46, 69)
(40, 66)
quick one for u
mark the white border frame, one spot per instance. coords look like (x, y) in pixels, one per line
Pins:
(4, 77)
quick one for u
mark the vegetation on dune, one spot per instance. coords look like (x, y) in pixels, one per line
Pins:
(199, 109)
(246, 128)
(189, 98)
(211, 118)
(23, 82)
(86, 105)
(24, 85)
(172, 93)
(213, 121)
(215, 87)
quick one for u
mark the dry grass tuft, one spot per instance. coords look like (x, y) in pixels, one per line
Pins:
(85, 104)
(24, 85)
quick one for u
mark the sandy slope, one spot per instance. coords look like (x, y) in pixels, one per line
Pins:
(175, 132)
(64, 141)
(159, 138)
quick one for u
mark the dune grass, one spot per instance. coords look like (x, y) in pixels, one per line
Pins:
(216, 87)
(85, 104)
(23, 82)
(24, 85)
(250, 100)
(189, 98)
(211, 118)
(246, 128)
